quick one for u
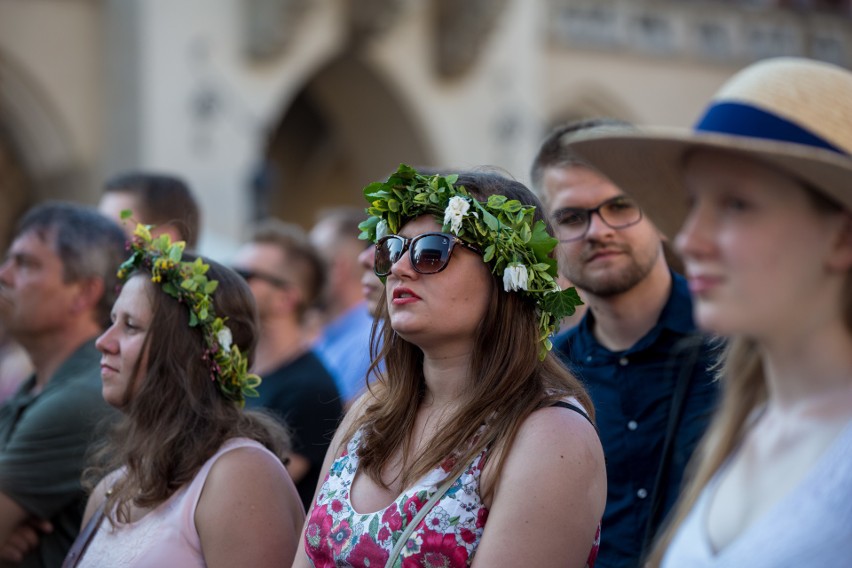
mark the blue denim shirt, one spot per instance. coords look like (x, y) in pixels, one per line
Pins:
(632, 392)
(344, 349)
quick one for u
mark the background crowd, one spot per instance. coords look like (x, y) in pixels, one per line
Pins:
(695, 411)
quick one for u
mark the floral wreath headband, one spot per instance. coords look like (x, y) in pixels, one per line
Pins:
(187, 282)
(516, 247)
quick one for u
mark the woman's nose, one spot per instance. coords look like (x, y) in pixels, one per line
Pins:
(105, 343)
(402, 266)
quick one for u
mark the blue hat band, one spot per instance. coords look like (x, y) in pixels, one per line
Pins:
(739, 119)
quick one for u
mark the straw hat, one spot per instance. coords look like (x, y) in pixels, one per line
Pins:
(792, 114)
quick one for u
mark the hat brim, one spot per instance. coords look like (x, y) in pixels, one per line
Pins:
(648, 165)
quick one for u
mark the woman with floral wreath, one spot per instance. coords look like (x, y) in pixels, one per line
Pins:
(191, 478)
(475, 446)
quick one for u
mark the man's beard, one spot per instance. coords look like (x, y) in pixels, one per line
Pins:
(613, 282)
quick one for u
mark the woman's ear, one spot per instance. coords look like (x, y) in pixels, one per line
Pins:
(841, 257)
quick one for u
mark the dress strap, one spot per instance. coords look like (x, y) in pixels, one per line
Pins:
(575, 408)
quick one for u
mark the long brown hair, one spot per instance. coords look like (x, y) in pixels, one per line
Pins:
(178, 418)
(744, 391)
(509, 381)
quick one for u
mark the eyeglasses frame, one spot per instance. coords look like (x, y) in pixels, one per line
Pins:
(589, 212)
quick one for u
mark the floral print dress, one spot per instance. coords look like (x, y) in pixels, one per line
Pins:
(339, 536)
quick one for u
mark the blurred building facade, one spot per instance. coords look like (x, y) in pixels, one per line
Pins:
(283, 107)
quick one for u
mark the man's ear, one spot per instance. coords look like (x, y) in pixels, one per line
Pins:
(89, 292)
(291, 299)
(168, 229)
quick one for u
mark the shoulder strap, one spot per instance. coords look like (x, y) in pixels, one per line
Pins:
(84, 538)
(691, 348)
(403, 538)
(577, 409)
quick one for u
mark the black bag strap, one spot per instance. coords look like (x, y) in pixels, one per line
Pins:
(692, 347)
(78, 548)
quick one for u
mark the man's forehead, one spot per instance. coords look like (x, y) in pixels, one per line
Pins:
(577, 187)
(35, 241)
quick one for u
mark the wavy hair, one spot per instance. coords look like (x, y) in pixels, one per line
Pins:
(178, 418)
(509, 381)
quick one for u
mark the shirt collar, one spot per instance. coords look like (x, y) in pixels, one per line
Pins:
(676, 316)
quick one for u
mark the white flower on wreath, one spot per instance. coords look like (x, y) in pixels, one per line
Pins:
(225, 339)
(381, 229)
(515, 277)
(455, 212)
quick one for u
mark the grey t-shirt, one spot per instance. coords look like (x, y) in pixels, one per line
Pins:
(43, 443)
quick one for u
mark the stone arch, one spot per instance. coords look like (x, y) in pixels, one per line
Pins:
(36, 159)
(345, 128)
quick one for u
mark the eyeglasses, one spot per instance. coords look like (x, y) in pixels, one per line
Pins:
(429, 253)
(252, 275)
(619, 212)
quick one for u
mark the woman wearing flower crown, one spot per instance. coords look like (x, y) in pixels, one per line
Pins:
(192, 479)
(766, 236)
(475, 446)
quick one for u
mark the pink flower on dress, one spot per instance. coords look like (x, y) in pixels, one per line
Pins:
(392, 518)
(319, 524)
(437, 551)
(481, 518)
(412, 505)
(367, 552)
(467, 535)
(340, 537)
(449, 463)
(336, 505)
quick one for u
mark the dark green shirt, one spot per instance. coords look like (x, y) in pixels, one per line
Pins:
(43, 442)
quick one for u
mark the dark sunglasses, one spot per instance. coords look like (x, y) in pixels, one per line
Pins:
(429, 253)
(252, 275)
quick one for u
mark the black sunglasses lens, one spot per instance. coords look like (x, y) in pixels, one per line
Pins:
(388, 251)
(430, 253)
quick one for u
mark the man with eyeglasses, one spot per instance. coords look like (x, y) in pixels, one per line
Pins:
(636, 349)
(286, 275)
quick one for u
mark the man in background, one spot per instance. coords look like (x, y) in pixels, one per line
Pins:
(57, 286)
(161, 200)
(286, 275)
(636, 349)
(371, 286)
(344, 341)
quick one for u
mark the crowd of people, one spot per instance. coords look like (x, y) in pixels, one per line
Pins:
(645, 359)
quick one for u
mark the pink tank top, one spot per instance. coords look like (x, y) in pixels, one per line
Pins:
(165, 536)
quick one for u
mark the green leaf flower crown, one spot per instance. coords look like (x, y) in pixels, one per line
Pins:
(515, 246)
(187, 282)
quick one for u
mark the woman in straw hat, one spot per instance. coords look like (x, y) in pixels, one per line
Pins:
(762, 192)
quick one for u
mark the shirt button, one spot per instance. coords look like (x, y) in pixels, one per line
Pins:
(623, 361)
(642, 493)
(588, 359)
(632, 425)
